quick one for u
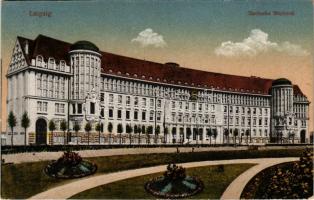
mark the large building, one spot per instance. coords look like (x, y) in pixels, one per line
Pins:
(54, 81)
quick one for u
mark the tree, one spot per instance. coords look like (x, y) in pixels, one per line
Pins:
(210, 134)
(215, 135)
(247, 133)
(76, 128)
(189, 133)
(52, 127)
(88, 128)
(157, 132)
(139, 130)
(129, 130)
(174, 132)
(110, 127)
(120, 131)
(25, 122)
(148, 133)
(226, 134)
(166, 132)
(98, 129)
(235, 134)
(63, 127)
(12, 123)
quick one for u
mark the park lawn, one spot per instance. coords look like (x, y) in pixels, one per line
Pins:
(19, 181)
(215, 183)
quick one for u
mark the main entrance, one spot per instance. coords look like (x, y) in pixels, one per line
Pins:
(41, 132)
(302, 136)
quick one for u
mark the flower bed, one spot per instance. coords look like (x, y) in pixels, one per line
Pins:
(70, 165)
(174, 184)
(292, 180)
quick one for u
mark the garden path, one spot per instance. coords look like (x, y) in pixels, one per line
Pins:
(232, 192)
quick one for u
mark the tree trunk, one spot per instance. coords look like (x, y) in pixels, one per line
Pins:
(12, 137)
(25, 138)
(210, 140)
(109, 139)
(76, 138)
(64, 138)
(130, 139)
(88, 138)
(139, 138)
(99, 137)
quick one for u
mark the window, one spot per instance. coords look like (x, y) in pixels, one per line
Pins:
(45, 105)
(180, 105)
(119, 114)
(151, 115)
(173, 104)
(144, 116)
(102, 113)
(61, 109)
(243, 121)
(159, 103)
(213, 108)
(225, 109)
(79, 108)
(127, 114)
(102, 98)
(254, 111)
(73, 108)
(254, 122)
(144, 102)
(248, 111)
(151, 103)
(266, 133)
(265, 122)
(225, 120)
(173, 117)
(92, 108)
(110, 113)
(249, 122)
(187, 106)
(128, 100)
(39, 106)
(200, 107)
(111, 98)
(230, 109)
(56, 108)
(119, 99)
(135, 115)
(193, 106)
(135, 101)
(260, 122)
(237, 120)
(158, 116)
(237, 110)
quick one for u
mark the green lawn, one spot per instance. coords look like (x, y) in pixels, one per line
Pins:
(215, 183)
(27, 179)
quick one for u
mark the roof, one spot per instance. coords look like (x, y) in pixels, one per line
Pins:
(281, 81)
(85, 45)
(169, 73)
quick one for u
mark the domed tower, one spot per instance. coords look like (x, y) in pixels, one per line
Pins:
(282, 122)
(85, 83)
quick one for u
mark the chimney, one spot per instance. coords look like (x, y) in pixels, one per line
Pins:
(26, 47)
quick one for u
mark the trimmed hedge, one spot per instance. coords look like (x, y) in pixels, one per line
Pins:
(55, 148)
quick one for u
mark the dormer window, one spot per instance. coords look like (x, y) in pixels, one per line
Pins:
(39, 61)
(62, 65)
(51, 63)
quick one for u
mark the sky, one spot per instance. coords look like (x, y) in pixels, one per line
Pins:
(239, 37)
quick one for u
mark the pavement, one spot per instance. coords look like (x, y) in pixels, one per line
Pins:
(233, 191)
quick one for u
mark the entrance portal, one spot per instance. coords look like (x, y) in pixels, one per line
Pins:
(302, 136)
(41, 132)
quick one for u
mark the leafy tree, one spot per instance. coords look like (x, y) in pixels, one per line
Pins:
(25, 122)
(189, 133)
(129, 130)
(52, 127)
(235, 134)
(12, 123)
(226, 134)
(174, 131)
(166, 132)
(120, 131)
(210, 134)
(139, 130)
(98, 129)
(63, 127)
(247, 133)
(215, 134)
(149, 132)
(110, 127)
(88, 128)
(157, 132)
(76, 128)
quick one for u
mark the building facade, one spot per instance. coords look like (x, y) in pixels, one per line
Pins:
(57, 81)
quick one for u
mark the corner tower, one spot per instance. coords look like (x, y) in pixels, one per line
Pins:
(282, 116)
(85, 83)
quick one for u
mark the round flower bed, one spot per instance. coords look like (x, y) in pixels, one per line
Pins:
(174, 184)
(70, 165)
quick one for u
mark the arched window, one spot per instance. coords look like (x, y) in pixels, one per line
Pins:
(39, 61)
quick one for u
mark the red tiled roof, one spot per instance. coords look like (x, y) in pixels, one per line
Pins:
(152, 71)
